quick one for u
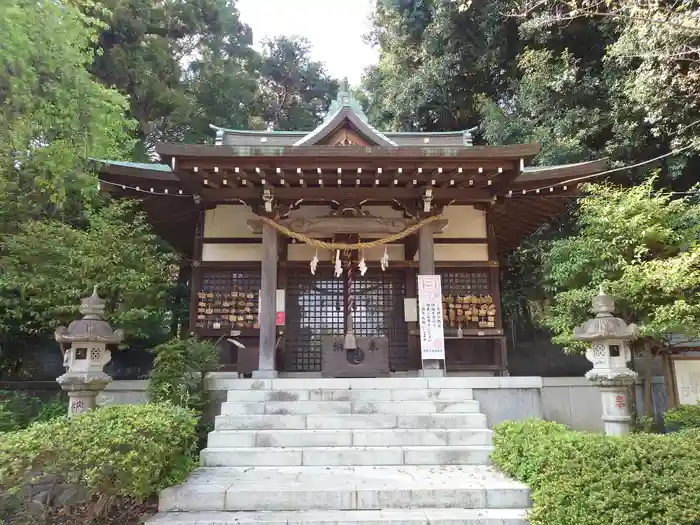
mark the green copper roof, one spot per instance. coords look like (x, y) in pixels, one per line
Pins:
(138, 165)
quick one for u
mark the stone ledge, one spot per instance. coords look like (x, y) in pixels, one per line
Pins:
(359, 517)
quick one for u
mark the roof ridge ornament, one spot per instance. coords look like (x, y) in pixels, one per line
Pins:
(345, 98)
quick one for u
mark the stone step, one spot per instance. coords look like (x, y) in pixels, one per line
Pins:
(348, 517)
(347, 438)
(344, 488)
(350, 421)
(301, 394)
(349, 407)
(345, 456)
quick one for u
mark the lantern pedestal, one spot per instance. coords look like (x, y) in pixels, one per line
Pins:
(617, 416)
(82, 391)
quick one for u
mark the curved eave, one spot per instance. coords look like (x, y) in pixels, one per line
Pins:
(537, 174)
(172, 218)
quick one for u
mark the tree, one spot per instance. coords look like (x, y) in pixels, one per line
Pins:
(52, 114)
(183, 63)
(48, 266)
(643, 246)
(658, 48)
(435, 59)
(56, 238)
(295, 90)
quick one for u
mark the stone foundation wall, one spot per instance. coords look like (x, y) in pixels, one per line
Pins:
(573, 401)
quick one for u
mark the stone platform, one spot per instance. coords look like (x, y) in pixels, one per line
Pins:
(347, 451)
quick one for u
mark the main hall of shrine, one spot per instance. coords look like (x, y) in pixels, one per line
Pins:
(305, 247)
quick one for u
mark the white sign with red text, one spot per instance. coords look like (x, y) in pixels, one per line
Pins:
(432, 335)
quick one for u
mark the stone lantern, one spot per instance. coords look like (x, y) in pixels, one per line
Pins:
(87, 354)
(609, 351)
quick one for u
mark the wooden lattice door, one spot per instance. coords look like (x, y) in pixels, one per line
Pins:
(317, 307)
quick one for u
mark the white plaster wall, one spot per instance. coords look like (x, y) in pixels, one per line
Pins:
(231, 252)
(228, 221)
(464, 222)
(459, 252)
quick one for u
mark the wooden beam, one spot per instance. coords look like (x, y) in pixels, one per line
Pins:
(333, 193)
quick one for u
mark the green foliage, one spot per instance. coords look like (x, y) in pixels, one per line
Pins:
(179, 375)
(295, 90)
(19, 410)
(641, 245)
(179, 372)
(53, 115)
(683, 417)
(141, 50)
(129, 451)
(435, 59)
(652, 55)
(579, 478)
(48, 266)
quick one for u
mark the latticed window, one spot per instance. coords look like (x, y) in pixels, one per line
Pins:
(467, 300)
(228, 300)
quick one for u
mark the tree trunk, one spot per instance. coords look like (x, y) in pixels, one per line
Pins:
(648, 377)
(669, 381)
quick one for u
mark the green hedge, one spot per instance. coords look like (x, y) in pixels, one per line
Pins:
(683, 417)
(128, 451)
(579, 478)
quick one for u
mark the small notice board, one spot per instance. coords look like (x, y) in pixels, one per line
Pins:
(432, 336)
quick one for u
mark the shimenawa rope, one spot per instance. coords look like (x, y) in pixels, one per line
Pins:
(345, 246)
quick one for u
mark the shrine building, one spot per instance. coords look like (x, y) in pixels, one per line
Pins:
(305, 246)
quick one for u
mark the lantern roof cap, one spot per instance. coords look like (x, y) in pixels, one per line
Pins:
(92, 328)
(605, 325)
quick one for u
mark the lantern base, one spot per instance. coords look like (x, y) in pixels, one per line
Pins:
(82, 390)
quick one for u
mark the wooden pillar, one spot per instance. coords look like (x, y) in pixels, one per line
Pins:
(426, 251)
(196, 272)
(426, 266)
(267, 306)
(500, 348)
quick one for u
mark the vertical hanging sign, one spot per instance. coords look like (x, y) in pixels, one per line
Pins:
(432, 336)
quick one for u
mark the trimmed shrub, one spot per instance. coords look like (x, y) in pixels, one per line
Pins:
(683, 417)
(580, 478)
(128, 451)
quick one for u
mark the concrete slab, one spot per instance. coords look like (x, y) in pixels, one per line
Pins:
(250, 457)
(445, 421)
(350, 395)
(433, 394)
(259, 422)
(348, 517)
(447, 455)
(331, 456)
(341, 488)
(391, 383)
(351, 421)
(415, 407)
(421, 437)
(463, 382)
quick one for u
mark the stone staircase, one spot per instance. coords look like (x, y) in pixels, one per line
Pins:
(347, 451)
